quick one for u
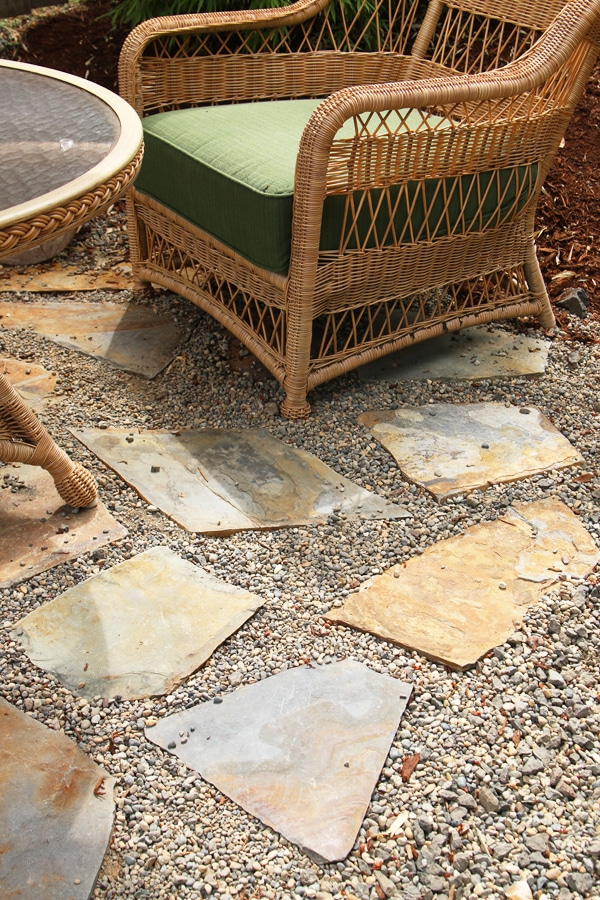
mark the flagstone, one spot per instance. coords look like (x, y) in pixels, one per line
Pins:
(452, 448)
(137, 629)
(465, 595)
(56, 810)
(473, 353)
(223, 480)
(39, 531)
(301, 750)
(133, 338)
(34, 383)
(57, 277)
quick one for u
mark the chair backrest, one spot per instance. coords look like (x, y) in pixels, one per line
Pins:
(468, 36)
(478, 35)
(182, 61)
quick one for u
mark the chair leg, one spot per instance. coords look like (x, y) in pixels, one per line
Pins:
(138, 248)
(537, 286)
(299, 337)
(295, 407)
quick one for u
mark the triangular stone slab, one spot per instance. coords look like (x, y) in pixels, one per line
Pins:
(301, 751)
(470, 354)
(34, 383)
(56, 810)
(222, 480)
(38, 531)
(451, 448)
(465, 595)
(133, 338)
(136, 630)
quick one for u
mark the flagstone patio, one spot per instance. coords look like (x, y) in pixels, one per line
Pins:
(223, 480)
(56, 277)
(56, 812)
(131, 337)
(136, 630)
(301, 750)
(39, 531)
(470, 354)
(451, 448)
(466, 595)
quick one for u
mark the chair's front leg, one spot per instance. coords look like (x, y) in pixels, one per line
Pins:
(537, 286)
(297, 356)
(138, 245)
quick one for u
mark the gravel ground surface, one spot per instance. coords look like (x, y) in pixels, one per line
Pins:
(507, 788)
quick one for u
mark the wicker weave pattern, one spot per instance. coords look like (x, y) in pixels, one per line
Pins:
(34, 231)
(24, 439)
(495, 84)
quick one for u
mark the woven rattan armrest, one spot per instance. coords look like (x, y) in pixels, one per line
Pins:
(455, 95)
(138, 41)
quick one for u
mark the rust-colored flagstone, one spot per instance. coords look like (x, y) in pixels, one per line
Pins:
(223, 480)
(34, 383)
(56, 812)
(137, 629)
(131, 337)
(57, 277)
(37, 531)
(451, 448)
(467, 594)
(301, 751)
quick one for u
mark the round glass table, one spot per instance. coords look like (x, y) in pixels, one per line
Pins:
(68, 149)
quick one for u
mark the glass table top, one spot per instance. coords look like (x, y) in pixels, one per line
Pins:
(60, 136)
(51, 132)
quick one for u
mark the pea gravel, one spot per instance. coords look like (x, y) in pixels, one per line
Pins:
(507, 786)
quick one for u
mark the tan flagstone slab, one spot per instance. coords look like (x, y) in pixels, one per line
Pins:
(467, 594)
(222, 480)
(58, 277)
(301, 750)
(137, 629)
(34, 383)
(131, 337)
(56, 812)
(470, 354)
(37, 531)
(451, 448)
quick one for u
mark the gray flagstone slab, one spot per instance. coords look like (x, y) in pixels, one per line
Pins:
(301, 751)
(451, 448)
(137, 629)
(222, 480)
(38, 531)
(467, 594)
(470, 354)
(56, 811)
(133, 338)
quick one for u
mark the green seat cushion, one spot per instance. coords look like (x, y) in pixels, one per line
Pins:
(230, 171)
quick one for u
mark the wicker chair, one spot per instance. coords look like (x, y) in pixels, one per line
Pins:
(377, 191)
(23, 439)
